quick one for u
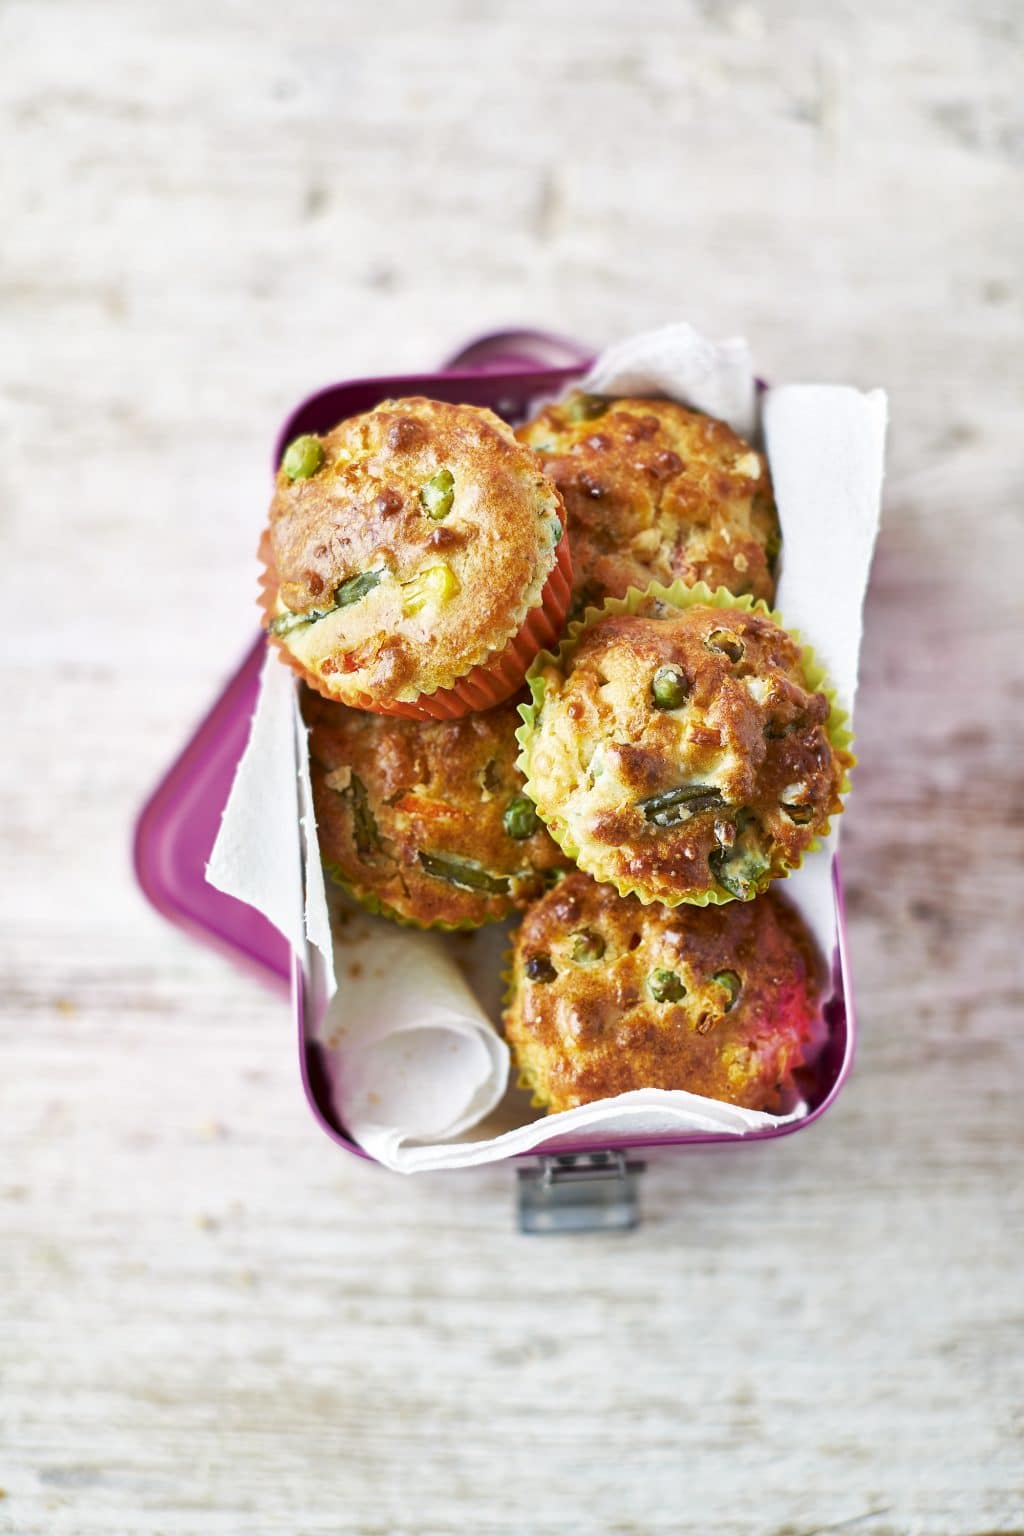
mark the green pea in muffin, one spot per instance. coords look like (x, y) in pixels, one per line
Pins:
(414, 562)
(656, 492)
(608, 995)
(426, 821)
(682, 753)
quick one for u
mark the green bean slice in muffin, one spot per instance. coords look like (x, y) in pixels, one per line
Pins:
(426, 820)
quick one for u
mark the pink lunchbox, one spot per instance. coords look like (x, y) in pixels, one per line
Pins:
(579, 1189)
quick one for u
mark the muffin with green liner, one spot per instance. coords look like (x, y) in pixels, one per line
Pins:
(655, 491)
(426, 821)
(683, 746)
(608, 995)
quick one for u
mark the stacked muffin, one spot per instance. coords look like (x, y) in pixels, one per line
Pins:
(677, 753)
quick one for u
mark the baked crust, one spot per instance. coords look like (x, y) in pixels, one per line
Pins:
(387, 791)
(443, 588)
(731, 1025)
(656, 492)
(717, 795)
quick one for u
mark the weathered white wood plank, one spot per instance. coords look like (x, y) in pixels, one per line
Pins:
(210, 1320)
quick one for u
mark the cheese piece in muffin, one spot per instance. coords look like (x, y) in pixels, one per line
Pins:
(426, 820)
(656, 492)
(608, 995)
(681, 753)
(408, 547)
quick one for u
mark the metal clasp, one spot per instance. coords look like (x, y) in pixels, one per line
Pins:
(579, 1192)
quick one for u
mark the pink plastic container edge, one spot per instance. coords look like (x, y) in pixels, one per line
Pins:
(177, 826)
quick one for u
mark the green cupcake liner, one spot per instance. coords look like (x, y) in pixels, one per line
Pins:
(679, 596)
(526, 1085)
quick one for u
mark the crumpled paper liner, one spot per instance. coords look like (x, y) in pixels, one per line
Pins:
(716, 377)
(678, 595)
(419, 1055)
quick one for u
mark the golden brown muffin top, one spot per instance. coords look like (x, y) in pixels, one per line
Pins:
(428, 818)
(610, 995)
(683, 752)
(411, 542)
(656, 492)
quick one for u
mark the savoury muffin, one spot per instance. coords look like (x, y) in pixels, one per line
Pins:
(656, 492)
(426, 820)
(685, 753)
(608, 995)
(414, 561)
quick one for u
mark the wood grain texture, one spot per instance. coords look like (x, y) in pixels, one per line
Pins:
(211, 1320)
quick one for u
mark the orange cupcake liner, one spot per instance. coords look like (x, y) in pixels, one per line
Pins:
(490, 683)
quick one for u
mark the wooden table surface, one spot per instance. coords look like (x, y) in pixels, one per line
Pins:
(211, 1320)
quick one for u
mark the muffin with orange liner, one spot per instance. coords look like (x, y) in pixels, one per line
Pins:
(414, 562)
(608, 995)
(656, 492)
(426, 821)
(683, 746)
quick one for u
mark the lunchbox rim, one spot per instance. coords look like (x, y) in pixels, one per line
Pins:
(168, 850)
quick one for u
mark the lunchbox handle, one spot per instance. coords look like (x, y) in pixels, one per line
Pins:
(526, 349)
(579, 1192)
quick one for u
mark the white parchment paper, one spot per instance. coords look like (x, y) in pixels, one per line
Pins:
(416, 1065)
